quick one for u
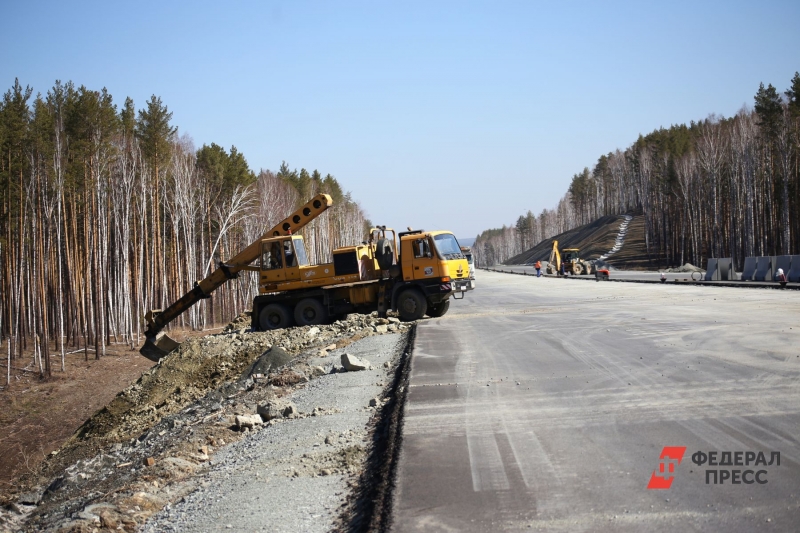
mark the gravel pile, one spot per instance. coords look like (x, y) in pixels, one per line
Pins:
(687, 267)
(242, 429)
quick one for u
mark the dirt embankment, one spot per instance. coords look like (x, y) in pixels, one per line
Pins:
(596, 239)
(128, 459)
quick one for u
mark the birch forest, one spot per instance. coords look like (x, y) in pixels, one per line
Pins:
(107, 212)
(721, 187)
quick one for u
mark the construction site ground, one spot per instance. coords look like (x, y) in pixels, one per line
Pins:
(37, 416)
(158, 443)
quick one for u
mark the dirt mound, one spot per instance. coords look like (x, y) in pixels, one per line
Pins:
(161, 410)
(596, 239)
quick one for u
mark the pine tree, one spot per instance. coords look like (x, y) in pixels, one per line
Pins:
(768, 109)
(155, 133)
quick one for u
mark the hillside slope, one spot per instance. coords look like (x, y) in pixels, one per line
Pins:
(594, 240)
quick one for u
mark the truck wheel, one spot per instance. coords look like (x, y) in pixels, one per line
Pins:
(437, 310)
(274, 316)
(577, 269)
(384, 253)
(588, 267)
(411, 305)
(310, 312)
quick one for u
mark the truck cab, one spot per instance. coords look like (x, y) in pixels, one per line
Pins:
(434, 255)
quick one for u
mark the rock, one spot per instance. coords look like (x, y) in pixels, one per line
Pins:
(55, 485)
(330, 347)
(374, 402)
(352, 363)
(270, 360)
(386, 364)
(150, 461)
(248, 421)
(317, 371)
(393, 320)
(30, 498)
(382, 329)
(312, 332)
(276, 409)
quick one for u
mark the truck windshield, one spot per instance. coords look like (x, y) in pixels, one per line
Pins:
(447, 246)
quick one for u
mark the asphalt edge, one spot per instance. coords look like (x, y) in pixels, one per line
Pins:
(372, 510)
(684, 283)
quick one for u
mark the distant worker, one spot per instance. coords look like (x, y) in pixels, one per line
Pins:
(780, 277)
(538, 269)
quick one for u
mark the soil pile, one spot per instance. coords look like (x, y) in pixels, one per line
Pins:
(161, 429)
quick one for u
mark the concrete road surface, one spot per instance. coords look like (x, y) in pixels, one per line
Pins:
(540, 404)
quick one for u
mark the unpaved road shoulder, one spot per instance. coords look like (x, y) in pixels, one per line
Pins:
(276, 406)
(292, 476)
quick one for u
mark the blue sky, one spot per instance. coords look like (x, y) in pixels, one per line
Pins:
(436, 115)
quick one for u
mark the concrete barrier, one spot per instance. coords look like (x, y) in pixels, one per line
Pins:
(749, 268)
(784, 262)
(794, 271)
(725, 269)
(711, 269)
(763, 269)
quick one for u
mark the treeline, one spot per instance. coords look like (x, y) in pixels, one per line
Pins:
(106, 213)
(721, 187)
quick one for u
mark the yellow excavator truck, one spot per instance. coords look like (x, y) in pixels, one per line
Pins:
(419, 280)
(567, 262)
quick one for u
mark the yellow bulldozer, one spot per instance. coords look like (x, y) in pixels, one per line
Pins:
(428, 269)
(567, 262)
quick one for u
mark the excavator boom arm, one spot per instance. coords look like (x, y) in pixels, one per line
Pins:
(555, 257)
(157, 345)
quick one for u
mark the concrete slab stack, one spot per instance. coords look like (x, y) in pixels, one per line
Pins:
(725, 270)
(749, 268)
(720, 269)
(783, 262)
(794, 271)
(711, 269)
(763, 269)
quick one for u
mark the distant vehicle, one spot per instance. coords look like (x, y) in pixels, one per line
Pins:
(466, 251)
(570, 263)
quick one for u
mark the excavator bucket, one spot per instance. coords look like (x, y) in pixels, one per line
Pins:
(154, 348)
